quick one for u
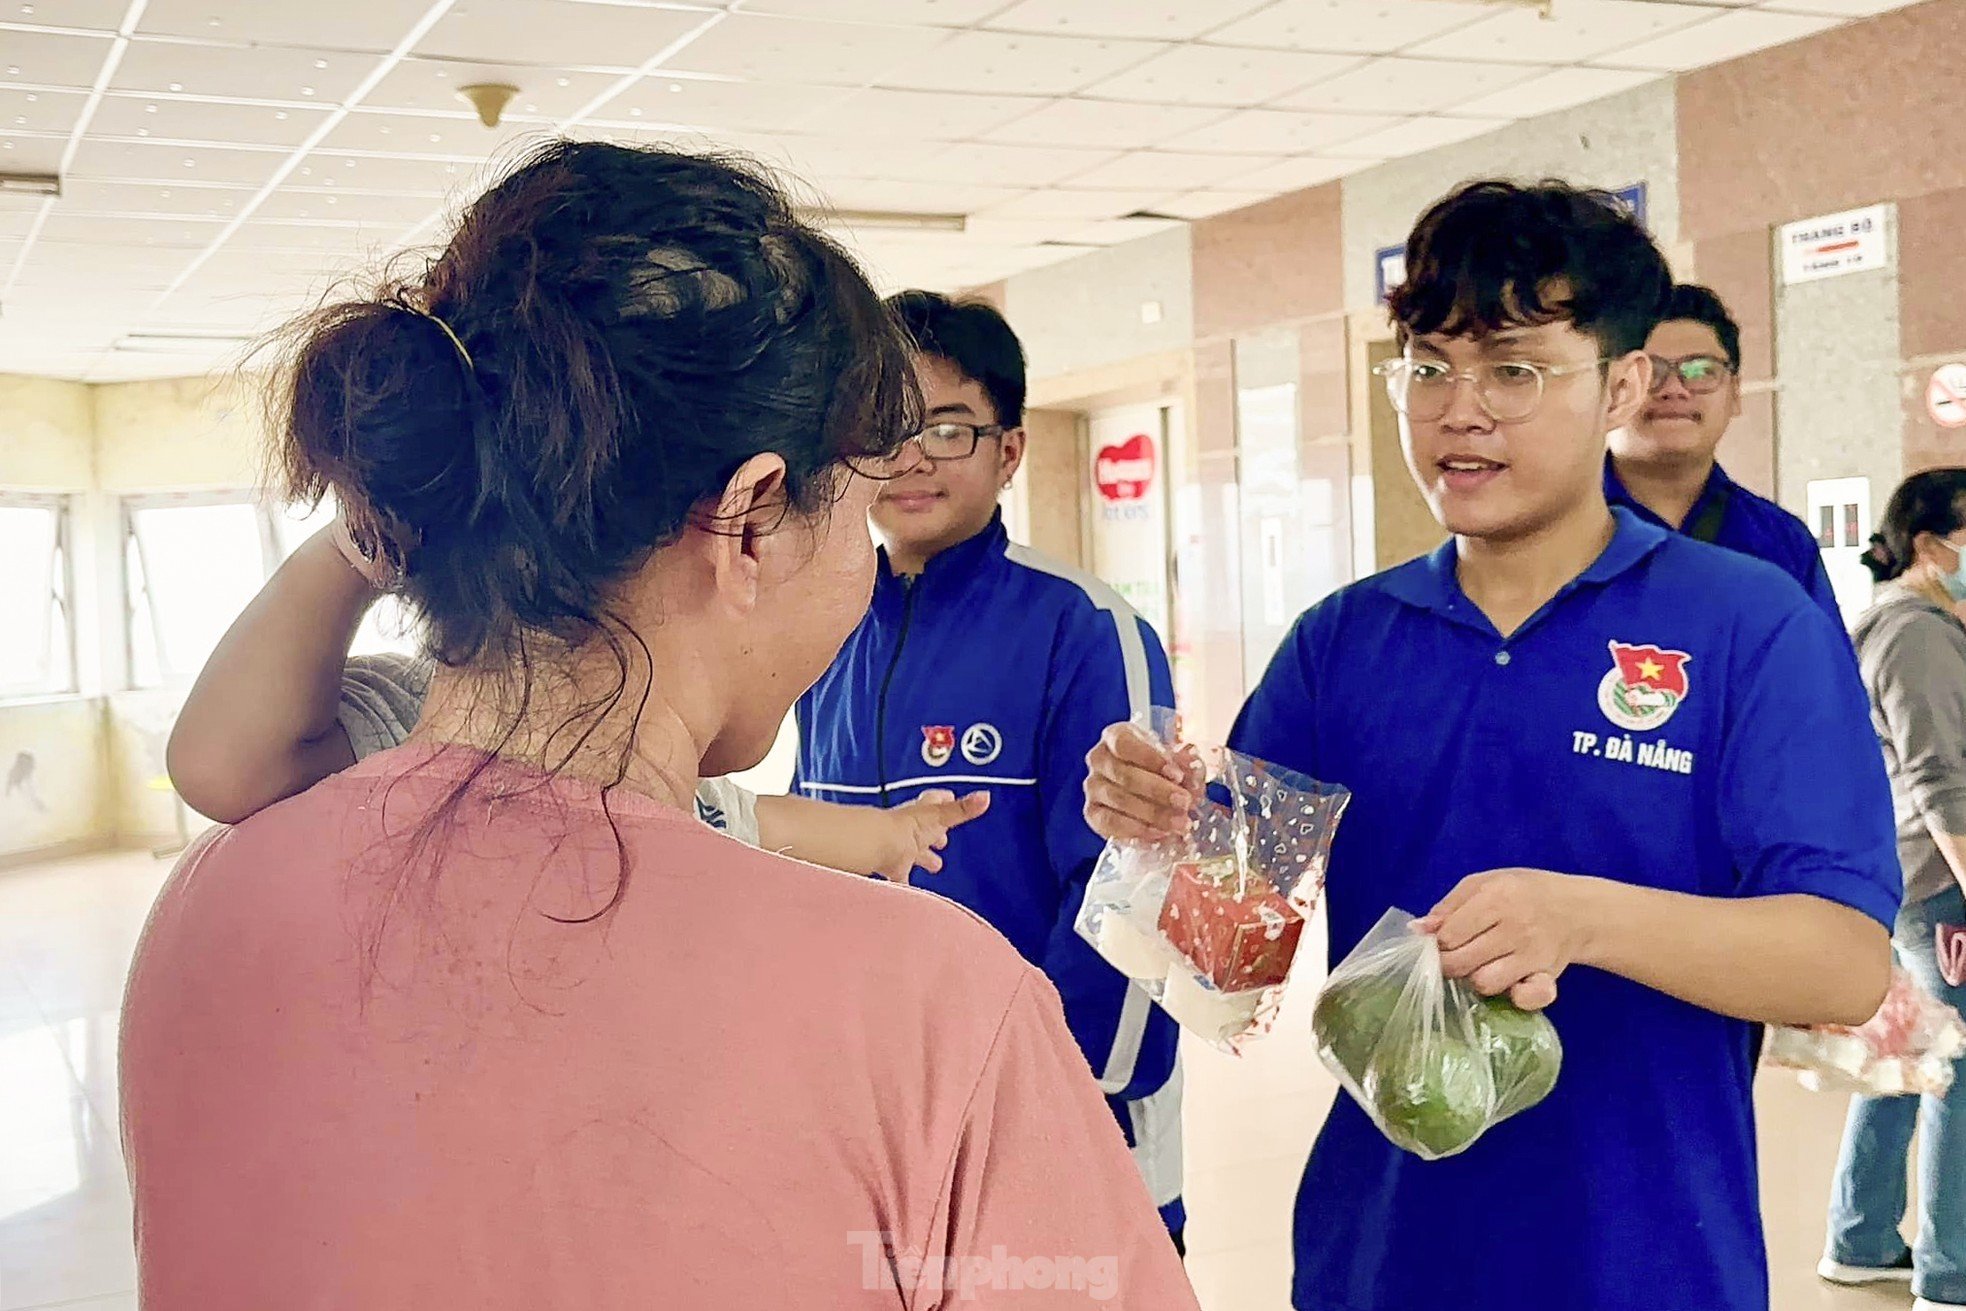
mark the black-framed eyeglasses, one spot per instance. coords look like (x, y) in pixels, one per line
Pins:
(1508, 391)
(1700, 374)
(949, 440)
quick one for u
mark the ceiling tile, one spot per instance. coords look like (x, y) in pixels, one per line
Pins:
(944, 13)
(1219, 75)
(15, 223)
(1167, 170)
(98, 15)
(1080, 206)
(461, 137)
(918, 115)
(1563, 88)
(32, 154)
(336, 205)
(914, 197)
(1155, 20)
(1208, 203)
(121, 161)
(1841, 8)
(432, 84)
(203, 120)
(1409, 86)
(1417, 136)
(82, 195)
(815, 159)
(384, 173)
(1109, 123)
(86, 264)
(1733, 34)
(371, 25)
(555, 32)
(1009, 166)
(39, 111)
(721, 106)
(1114, 232)
(305, 77)
(1367, 27)
(1278, 132)
(132, 231)
(314, 240)
(1579, 30)
(1009, 232)
(52, 59)
(761, 48)
(1297, 174)
(1018, 64)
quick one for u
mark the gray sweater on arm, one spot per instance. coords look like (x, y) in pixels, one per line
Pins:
(1913, 655)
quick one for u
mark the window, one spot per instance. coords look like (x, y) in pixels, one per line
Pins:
(194, 561)
(192, 564)
(37, 642)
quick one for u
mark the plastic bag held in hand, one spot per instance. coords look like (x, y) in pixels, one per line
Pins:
(1209, 924)
(1952, 954)
(1909, 1047)
(1433, 1062)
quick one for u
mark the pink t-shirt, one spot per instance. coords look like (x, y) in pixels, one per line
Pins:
(752, 1083)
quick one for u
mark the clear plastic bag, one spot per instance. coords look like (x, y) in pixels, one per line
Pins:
(1210, 923)
(1910, 1047)
(1433, 1062)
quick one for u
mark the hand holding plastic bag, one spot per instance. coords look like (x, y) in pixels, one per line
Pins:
(1210, 923)
(1434, 1063)
(1909, 1047)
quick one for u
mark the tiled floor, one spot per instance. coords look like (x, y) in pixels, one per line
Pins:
(66, 932)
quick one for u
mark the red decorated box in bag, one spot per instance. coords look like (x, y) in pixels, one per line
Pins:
(1232, 927)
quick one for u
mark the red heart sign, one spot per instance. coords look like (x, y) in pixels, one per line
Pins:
(1125, 472)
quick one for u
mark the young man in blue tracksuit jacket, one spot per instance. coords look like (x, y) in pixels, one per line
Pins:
(984, 665)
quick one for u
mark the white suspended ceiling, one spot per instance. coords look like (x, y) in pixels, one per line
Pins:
(223, 161)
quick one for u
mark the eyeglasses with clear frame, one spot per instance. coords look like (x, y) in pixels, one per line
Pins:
(1702, 375)
(1508, 391)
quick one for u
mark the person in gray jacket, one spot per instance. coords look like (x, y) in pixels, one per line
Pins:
(1912, 647)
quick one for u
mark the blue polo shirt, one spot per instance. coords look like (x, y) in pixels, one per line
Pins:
(1728, 514)
(1678, 717)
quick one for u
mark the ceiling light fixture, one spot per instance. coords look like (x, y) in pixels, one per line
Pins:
(489, 99)
(892, 220)
(30, 184)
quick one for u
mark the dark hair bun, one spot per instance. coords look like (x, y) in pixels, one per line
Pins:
(611, 333)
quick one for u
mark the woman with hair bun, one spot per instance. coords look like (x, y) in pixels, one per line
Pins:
(1912, 647)
(490, 1020)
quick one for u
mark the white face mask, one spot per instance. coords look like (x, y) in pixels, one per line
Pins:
(1955, 581)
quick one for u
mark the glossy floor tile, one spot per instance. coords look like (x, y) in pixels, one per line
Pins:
(67, 931)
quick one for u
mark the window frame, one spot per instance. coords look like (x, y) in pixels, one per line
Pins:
(62, 580)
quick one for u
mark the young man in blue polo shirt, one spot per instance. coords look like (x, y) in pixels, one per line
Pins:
(1602, 760)
(983, 664)
(1662, 465)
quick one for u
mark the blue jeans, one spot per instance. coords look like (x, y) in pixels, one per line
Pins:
(1869, 1202)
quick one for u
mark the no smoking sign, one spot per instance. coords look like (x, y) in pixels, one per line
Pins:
(1945, 396)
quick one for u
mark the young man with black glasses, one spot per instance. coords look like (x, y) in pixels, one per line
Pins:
(1593, 755)
(1662, 465)
(982, 664)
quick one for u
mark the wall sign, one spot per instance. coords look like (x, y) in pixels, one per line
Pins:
(1633, 199)
(1125, 470)
(1388, 270)
(1945, 396)
(1129, 505)
(1855, 241)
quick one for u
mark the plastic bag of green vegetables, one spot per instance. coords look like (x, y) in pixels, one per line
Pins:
(1433, 1062)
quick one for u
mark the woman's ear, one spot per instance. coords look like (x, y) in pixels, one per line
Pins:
(753, 506)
